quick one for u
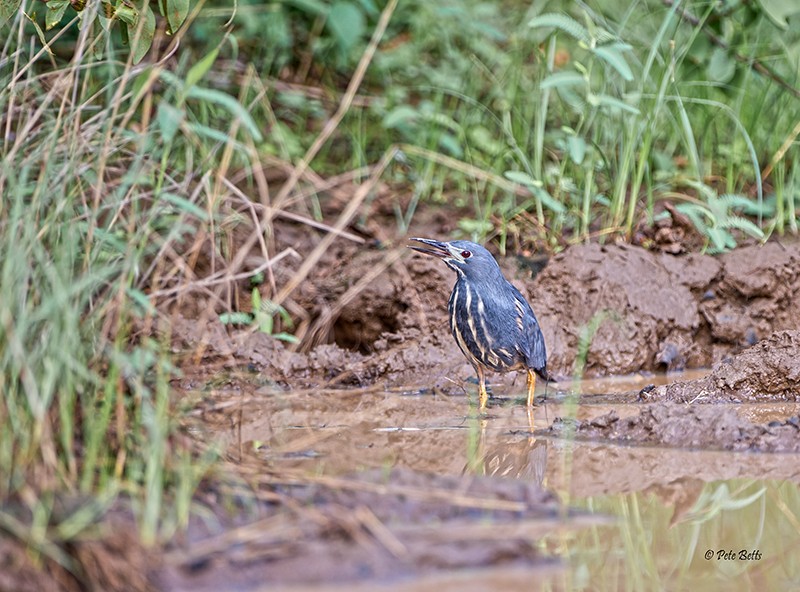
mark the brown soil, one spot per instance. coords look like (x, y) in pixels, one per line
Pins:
(695, 427)
(381, 525)
(658, 312)
(377, 382)
(110, 558)
(768, 371)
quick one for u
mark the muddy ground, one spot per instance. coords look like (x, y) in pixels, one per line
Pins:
(369, 412)
(657, 312)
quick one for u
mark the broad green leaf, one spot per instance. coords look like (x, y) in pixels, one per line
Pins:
(55, 12)
(39, 32)
(721, 67)
(483, 139)
(548, 201)
(522, 178)
(577, 148)
(201, 68)
(7, 10)
(450, 144)
(127, 14)
(175, 12)
(779, 11)
(400, 116)
(312, 7)
(475, 227)
(346, 24)
(145, 39)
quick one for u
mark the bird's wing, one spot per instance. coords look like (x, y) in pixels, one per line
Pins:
(532, 340)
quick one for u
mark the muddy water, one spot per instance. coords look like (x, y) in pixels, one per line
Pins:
(676, 518)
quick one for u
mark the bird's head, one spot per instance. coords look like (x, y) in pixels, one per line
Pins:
(468, 259)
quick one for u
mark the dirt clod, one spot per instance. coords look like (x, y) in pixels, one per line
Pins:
(695, 426)
(768, 371)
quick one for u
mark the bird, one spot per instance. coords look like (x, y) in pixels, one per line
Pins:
(492, 323)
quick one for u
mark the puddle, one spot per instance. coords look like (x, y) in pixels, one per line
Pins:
(666, 517)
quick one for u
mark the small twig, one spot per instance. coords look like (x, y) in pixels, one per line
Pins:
(344, 106)
(380, 531)
(778, 156)
(223, 277)
(344, 219)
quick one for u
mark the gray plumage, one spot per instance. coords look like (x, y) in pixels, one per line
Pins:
(492, 323)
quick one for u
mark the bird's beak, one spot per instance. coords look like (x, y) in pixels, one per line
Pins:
(437, 249)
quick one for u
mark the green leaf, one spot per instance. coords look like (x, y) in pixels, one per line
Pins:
(288, 337)
(311, 7)
(175, 12)
(201, 68)
(475, 228)
(236, 318)
(721, 67)
(611, 102)
(8, 8)
(745, 226)
(168, 119)
(484, 140)
(563, 22)
(451, 145)
(522, 178)
(228, 102)
(614, 58)
(346, 24)
(141, 299)
(548, 200)
(577, 148)
(186, 206)
(779, 11)
(55, 12)
(400, 116)
(563, 79)
(145, 39)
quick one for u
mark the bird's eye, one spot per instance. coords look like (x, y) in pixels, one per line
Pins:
(466, 254)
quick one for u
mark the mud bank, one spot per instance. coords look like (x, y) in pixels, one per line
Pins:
(694, 427)
(380, 526)
(654, 312)
(768, 371)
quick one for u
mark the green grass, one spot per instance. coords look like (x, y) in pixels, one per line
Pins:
(98, 201)
(649, 547)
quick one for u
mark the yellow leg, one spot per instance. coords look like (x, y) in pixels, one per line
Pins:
(531, 386)
(483, 396)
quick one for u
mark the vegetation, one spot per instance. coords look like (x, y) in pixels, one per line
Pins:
(133, 157)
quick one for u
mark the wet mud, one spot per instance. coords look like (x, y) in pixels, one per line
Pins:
(694, 427)
(768, 371)
(381, 525)
(360, 440)
(653, 312)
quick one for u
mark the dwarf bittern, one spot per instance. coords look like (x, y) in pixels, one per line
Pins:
(493, 324)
